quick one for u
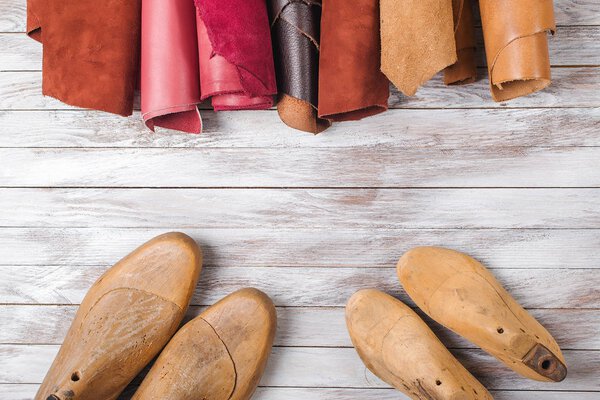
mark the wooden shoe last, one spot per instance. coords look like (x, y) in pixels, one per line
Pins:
(397, 346)
(461, 294)
(125, 319)
(219, 355)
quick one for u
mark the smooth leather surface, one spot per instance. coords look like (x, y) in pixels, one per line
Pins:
(170, 84)
(464, 70)
(417, 41)
(516, 45)
(296, 28)
(351, 85)
(90, 51)
(236, 58)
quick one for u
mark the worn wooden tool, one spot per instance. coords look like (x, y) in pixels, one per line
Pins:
(125, 319)
(219, 355)
(397, 346)
(461, 294)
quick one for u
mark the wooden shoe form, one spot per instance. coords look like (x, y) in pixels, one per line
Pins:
(219, 355)
(124, 320)
(461, 294)
(397, 346)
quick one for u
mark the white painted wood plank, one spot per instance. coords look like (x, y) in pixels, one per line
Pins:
(308, 208)
(571, 87)
(297, 326)
(273, 168)
(408, 128)
(365, 248)
(300, 286)
(328, 368)
(570, 46)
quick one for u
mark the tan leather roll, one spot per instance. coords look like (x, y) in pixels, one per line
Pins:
(464, 70)
(516, 45)
(417, 41)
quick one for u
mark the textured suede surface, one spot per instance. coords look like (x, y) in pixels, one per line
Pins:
(90, 51)
(170, 83)
(240, 44)
(417, 41)
(351, 85)
(296, 27)
(515, 33)
(464, 70)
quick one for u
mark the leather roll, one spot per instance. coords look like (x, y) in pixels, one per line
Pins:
(464, 70)
(516, 45)
(351, 85)
(417, 41)
(90, 51)
(236, 59)
(170, 83)
(296, 28)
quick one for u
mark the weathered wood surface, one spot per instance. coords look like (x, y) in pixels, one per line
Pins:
(311, 219)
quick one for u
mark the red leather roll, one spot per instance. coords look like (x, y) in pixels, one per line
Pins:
(170, 85)
(236, 60)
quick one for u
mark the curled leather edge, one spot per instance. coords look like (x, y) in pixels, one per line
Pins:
(464, 70)
(298, 111)
(516, 42)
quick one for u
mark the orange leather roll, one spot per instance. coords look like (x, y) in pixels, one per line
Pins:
(464, 70)
(516, 45)
(417, 41)
(90, 51)
(351, 85)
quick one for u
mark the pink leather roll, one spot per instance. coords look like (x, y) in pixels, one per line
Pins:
(170, 84)
(236, 59)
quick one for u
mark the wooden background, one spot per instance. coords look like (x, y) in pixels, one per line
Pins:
(310, 219)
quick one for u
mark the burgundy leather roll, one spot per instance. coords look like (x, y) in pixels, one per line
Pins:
(236, 59)
(296, 28)
(170, 83)
(90, 51)
(351, 85)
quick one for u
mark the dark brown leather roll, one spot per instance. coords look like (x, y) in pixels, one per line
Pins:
(351, 85)
(515, 33)
(90, 51)
(464, 70)
(295, 28)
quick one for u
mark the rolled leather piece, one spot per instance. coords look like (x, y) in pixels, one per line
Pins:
(516, 45)
(351, 85)
(90, 51)
(236, 59)
(170, 83)
(417, 41)
(464, 70)
(296, 28)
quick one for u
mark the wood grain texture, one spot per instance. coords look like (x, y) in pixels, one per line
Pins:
(309, 208)
(408, 128)
(571, 87)
(300, 286)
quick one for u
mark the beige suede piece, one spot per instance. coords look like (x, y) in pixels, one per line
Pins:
(516, 45)
(417, 41)
(464, 70)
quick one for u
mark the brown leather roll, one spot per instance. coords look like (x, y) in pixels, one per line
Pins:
(516, 45)
(464, 70)
(90, 51)
(296, 28)
(417, 41)
(351, 85)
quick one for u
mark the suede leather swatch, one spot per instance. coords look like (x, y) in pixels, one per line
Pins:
(170, 82)
(351, 85)
(417, 41)
(296, 31)
(464, 70)
(236, 59)
(516, 45)
(90, 51)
